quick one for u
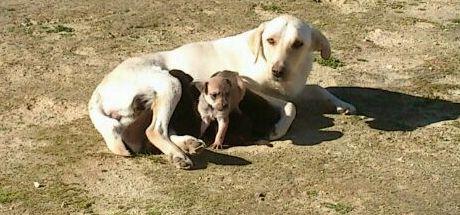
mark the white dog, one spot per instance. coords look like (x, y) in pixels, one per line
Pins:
(275, 60)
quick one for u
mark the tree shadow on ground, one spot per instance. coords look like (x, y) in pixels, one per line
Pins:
(202, 160)
(393, 111)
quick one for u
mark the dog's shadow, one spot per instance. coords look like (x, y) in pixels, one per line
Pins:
(202, 160)
(385, 110)
(306, 130)
(393, 111)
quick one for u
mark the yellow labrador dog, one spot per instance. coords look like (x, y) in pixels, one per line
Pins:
(274, 59)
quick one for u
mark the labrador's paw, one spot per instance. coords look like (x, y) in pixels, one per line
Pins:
(182, 162)
(194, 146)
(345, 108)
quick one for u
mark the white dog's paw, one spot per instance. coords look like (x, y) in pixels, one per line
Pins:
(345, 108)
(181, 162)
(189, 144)
(282, 126)
(194, 146)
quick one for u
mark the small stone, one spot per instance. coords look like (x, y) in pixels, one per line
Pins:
(37, 185)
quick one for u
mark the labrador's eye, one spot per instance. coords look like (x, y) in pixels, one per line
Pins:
(297, 44)
(271, 41)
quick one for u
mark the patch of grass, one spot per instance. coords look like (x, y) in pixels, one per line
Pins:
(331, 62)
(456, 21)
(396, 5)
(456, 124)
(272, 7)
(157, 159)
(153, 211)
(339, 207)
(70, 196)
(151, 158)
(26, 25)
(312, 193)
(7, 196)
(60, 28)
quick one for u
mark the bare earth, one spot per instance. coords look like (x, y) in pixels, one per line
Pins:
(399, 155)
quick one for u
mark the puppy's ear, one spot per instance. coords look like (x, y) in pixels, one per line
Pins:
(216, 74)
(201, 86)
(241, 87)
(255, 41)
(320, 43)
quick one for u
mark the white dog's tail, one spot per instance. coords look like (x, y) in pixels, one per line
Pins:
(109, 128)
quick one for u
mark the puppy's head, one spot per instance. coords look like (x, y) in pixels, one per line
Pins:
(285, 43)
(216, 92)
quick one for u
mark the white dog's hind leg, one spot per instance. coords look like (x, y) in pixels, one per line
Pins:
(167, 95)
(109, 128)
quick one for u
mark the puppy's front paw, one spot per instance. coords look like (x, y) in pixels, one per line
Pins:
(345, 108)
(217, 145)
(182, 162)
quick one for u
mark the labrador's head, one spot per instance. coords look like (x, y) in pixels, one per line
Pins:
(285, 43)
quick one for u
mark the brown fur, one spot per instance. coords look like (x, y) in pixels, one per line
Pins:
(220, 95)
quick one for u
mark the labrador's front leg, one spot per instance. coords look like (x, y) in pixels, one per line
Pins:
(319, 94)
(287, 115)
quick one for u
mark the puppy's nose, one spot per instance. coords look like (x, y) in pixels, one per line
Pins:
(222, 107)
(278, 70)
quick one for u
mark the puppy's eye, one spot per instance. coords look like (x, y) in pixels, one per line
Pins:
(213, 95)
(271, 41)
(297, 44)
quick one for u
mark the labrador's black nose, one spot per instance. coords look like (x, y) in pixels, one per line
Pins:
(278, 73)
(278, 70)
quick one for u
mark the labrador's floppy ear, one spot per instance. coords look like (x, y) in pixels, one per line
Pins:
(201, 86)
(255, 41)
(320, 43)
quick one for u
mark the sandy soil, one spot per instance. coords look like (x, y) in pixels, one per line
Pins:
(399, 155)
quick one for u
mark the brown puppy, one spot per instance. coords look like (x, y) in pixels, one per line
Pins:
(220, 95)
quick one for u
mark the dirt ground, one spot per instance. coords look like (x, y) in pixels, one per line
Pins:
(397, 62)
